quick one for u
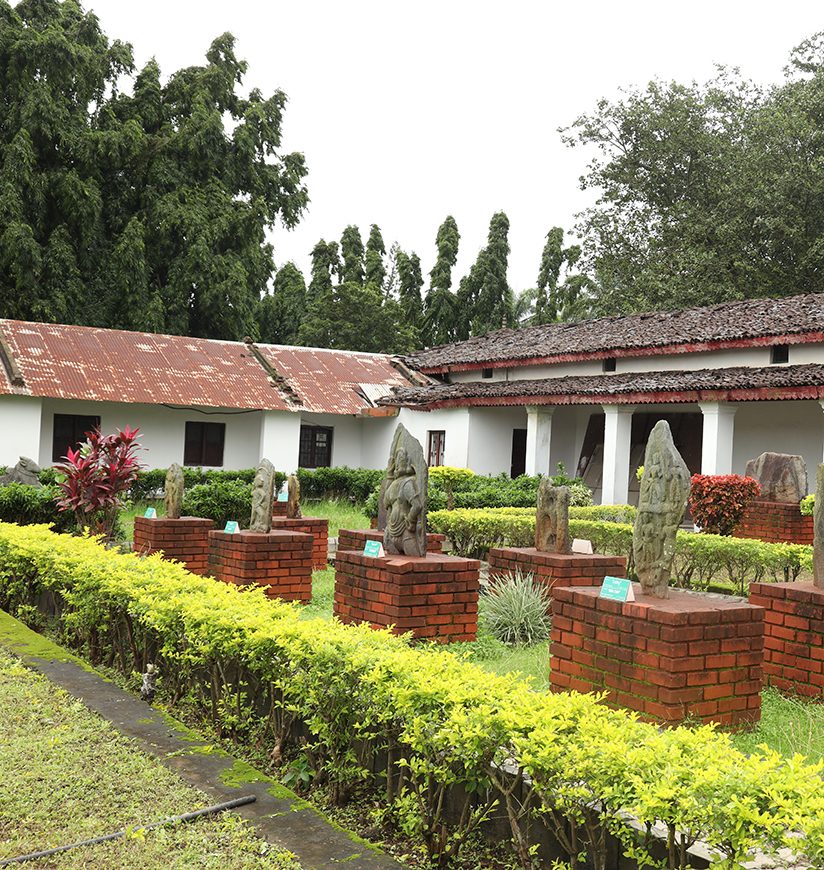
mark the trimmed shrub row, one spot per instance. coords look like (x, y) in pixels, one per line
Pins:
(150, 482)
(700, 560)
(29, 505)
(437, 728)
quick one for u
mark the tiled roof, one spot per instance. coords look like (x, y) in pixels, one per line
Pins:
(740, 383)
(78, 362)
(727, 322)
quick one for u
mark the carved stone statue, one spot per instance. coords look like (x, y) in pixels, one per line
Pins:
(403, 496)
(552, 518)
(263, 493)
(293, 505)
(665, 488)
(24, 472)
(818, 526)
(782, 476)
(173, 491)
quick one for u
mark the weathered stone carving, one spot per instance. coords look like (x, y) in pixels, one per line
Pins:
(263, 497)
(552, 518)
(173, 491)
(24, 472)
(818, 526)
(403, 496)
(782, 476)
(293, 504)
(665, 488)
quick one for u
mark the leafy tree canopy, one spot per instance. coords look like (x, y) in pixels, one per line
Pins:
(136, 210)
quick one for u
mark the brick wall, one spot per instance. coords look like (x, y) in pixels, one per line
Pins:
(279, 561)
(794, 635)
(554, 568)
(687, 655)
(185, 539)
(280, 508)
(317, 527)
(354, 539)
(435, 597)
(775, 522)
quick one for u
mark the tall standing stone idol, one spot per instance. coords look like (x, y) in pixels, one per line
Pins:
(293, 503)
(173, 491)
(403, 496)
(818, 528)
(552, 518)
(665, 488)
(263, 497)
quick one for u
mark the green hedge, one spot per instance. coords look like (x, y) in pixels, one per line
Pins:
(220, 501)
(700, 559)
(369, 703)
(27, 505)
(353, 484)
(150, 482)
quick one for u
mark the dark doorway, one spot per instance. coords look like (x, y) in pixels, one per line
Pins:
(518, 466)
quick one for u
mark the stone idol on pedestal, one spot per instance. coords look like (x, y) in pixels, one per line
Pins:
(432, 595)
(185, 539)
(276, 559)
(669, 654)
(794, 620)
(288, 517)
(551, 561)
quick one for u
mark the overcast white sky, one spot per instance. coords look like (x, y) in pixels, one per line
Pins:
(409, 111)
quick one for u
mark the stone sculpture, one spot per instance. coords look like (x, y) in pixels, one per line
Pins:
(173, 491)
(26, 472)
(403, 497)
(782, 476)
(818, 527)
(552, 518)
(293, 504)
(263, 490)
(665, 488)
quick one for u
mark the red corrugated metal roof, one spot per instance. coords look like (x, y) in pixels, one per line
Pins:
(328, 381)
(79, 362)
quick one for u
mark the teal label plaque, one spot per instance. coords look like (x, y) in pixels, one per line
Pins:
(373, 548)
(617, 589)
(283, 496)
(151, 513)
(231, 526)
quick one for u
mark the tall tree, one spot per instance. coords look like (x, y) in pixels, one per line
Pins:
(88, 166)
(326, 268)
(351, 248)
(375, 252)
(410, 282)
(440, 306)
(493, 299)
(556, 298)
(281, 312)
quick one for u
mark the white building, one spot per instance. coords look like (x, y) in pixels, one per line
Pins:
(218, 404)
(734, 380)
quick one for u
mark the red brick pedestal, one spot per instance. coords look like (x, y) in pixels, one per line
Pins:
(793, 635)
(280, 508)
(687, 655)
(279, 561)
(185, 539)
(317, 527)
(434, 597)
(776, 522)
(354, 539)
(555, 569)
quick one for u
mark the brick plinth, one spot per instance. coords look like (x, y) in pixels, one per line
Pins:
(354, 539)
(317, 527)
(775, 522)
(280, 508)
(793, 635)
(279, 561)
(555, 569)
(687, 655)
(185, 539)
(434, 597)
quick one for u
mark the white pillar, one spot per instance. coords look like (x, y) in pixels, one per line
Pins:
(716, 443)
(538, 438)
(617, 437)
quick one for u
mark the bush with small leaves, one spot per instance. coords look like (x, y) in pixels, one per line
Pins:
(516, 610)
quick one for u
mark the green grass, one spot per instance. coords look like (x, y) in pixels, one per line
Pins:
(137, 509)
(788, 725)
(68, 775)
(341, 514)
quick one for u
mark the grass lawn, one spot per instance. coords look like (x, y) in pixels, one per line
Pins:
(68, 775)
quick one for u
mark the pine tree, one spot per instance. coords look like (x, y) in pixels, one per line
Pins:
(326, 268)
(556, 299)
(410, 282)
(281, 312)
(494, 305)
(440, 306)
(375, 252)
(351, 248)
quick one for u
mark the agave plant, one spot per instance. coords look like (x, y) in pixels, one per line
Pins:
(517, 608)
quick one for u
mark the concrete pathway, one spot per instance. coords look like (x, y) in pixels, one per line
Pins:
(278, 815)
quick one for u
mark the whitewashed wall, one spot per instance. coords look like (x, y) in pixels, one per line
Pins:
(453, 421)
(280, 439)
(19, 428)
(490, 438)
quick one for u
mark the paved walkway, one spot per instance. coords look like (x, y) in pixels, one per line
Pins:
(278, 815)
